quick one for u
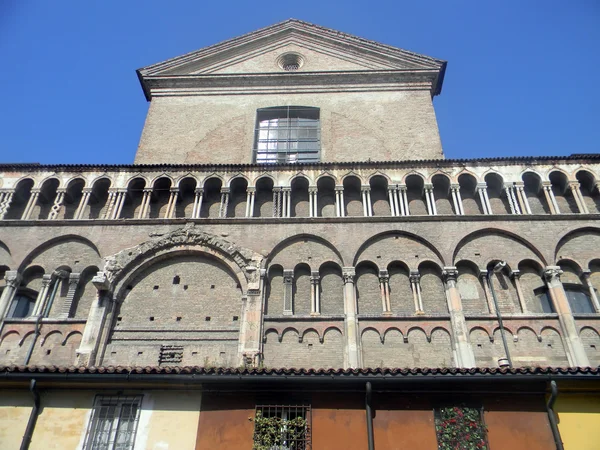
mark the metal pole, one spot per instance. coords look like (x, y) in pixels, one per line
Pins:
(499, 315)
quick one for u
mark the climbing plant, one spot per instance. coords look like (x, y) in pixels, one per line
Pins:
(277, 433)
(460, 428)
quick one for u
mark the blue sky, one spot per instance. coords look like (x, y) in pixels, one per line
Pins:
(522, 75)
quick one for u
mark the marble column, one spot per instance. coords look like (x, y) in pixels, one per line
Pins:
(198, 196)
(58, 203)
(313, 201)
(483, 277)
(40, 301)
(404, 209)
(516, 275)
(574, 346)
(415, 286)
(145, 207)
(575, 190)
(171, 206)
(33, 198)
(224, 202)
(483, 198)
(549, 194)
(351, 322)
(83, 203)
(384, 285)
(460, 331)
(315, 292)
(5, 199)
(522, 196)
(392, 192)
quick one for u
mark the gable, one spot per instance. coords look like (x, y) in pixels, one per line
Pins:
(322, 50)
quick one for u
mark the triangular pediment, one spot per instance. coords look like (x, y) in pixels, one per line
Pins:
(318, 49)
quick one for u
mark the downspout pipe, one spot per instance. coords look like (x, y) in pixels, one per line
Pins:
(552, 415)
(33, 416)
(33, 342)
(368, 408)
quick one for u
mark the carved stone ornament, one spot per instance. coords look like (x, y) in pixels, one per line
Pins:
(247, 260)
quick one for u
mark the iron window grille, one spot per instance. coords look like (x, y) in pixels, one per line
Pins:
(287, 134)
(460, 427)
(282, 427)
(113, 423)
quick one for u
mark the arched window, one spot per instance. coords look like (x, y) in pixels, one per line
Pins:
(287, 134)
(21, 307)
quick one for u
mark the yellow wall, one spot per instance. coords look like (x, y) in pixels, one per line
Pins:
(14, 414)
(168, 420)
(579, 421)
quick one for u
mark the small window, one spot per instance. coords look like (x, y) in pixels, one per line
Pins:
(460, 427)
(21, 307)
(287, 134)
(579, 299)
(282, 427)
(113, 423)
(543, 297)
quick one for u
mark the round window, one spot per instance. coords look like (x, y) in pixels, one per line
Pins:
(290, 62)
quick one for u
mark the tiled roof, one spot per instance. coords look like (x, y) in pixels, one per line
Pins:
(334, 373)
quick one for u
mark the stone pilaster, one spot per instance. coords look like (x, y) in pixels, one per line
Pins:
(250, 345)
(415, 286)
(352, 336)
(68, 303)
(288, 292)
(40, 301)
(224, 202)
(12, 279)
(384, 285)
(198, 195)
(460, 332)
(315, 293)
(586, 276)
(575, 349)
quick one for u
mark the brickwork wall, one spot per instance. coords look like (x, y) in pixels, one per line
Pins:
(274, 292)
(301, 290)
(401, 296)
(471, 291)
(308, 353)
(417, 352)
(530, 281)
(332, 294)
(433, 292)
(368, 292)
(591, 343)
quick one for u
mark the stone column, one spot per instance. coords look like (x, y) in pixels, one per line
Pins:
(248, 202)
(512, 200)
(83, 202)
(287, 201)
(315, 293)
(483, 198)
(224, 202)
(351, 321)
(40, 301)
(68, 303)
(483, 276)
(522, 198)
(586, 276)
(339, 201)
(516, 275)
(13, 279)
(430, 200)
(5, 199)
(391, 198)
(122, 196)
(145, 208)
(110, 201)
(276, 202)
(460, 332)
(94, 327)
(365, 200)
(251, 329)
(574, 186)
(384, 285)
(288, 292)
(457, 199)
(58, 202)
(547, 186)
(404, 201)
(174, 191)
(198, 195)
(313, 201)
(33, 198)
(574, 346)
(415, 286)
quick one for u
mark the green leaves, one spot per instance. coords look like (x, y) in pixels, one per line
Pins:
(276, 433)
(460, 428)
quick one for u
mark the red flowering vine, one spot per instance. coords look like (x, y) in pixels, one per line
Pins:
(460, 428)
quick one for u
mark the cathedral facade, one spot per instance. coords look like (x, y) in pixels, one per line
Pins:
(290, 207)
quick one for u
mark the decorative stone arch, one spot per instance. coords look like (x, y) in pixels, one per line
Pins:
(35, 180)
(440, 173)
(263, 175)
(289, 330)
(493, 172)
(75, 177)
(565, 237)
(455, 178)
(52, 177)
(11, 333)
(235, 177)
(104, 176)
(308, 330)
(371, 328)
(124, 266)
(411, 173)
(162, 175)
(50, 334)
(527, 327)
(284, 243)
(380, 236)
(558, 169)
(352, 173)
(387, 330)
(138, 175)
(299, 175)
(56, 241)
(379, 174)
(480, 328)
(327, 174)
(70, 335)
(571, 262)
(180, 178)
(530, 170)
(495, 231)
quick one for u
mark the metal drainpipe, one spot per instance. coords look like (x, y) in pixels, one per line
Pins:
(32, 417)
(368, 398)
(50, 301)
(552, 415)
(33, 342)
(499, 315)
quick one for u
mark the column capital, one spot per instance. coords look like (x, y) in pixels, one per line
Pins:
(552, 274)
(100, 281)
(365, 188)
(147, 190)
(251, 189)
(36, 190)
(384, 276)
(414, 276)
(12, 278)
(515, 274)
(288, 276)
(61, 191)
(86, 190)
(455, 186)
(509, 185)
(428, 186)
(482, 185)
(450, 273)
(339, 188)
(392, 187)
(585, 273)
(574, 184)
(348, 274)
(286, 189)
(199, 190)
(276, 188)
(74, 277)
(546, 184)
(315, 277)
(47, 279)
(174, 189)
(519, 184)
(313, 189)
(226, 190)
